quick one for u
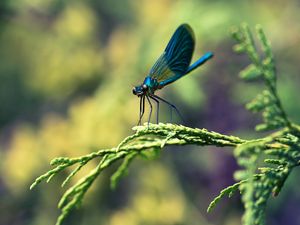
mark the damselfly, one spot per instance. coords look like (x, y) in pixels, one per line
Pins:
(173, 64)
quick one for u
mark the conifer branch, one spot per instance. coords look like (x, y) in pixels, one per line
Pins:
(263, 181)
(146, 141)
(263, 67)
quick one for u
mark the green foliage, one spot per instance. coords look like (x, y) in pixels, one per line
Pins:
(266, 162)
(262, 67)
(229, 191)
(147, 139)
(280, 150)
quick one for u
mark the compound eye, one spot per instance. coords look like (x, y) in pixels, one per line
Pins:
(134, 91)
(145, 87)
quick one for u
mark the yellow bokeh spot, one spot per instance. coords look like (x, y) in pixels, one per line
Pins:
(78, 20)
(22, 159)
(157, 201)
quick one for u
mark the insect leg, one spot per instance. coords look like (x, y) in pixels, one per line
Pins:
(142, 109)
(150, 109)
(171, 105)
(171, 113)
(157, 103)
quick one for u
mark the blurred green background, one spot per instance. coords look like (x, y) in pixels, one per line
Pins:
(66, 73)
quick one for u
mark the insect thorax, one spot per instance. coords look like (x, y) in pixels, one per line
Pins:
(151, 83)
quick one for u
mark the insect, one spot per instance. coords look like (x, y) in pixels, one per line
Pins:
(173, 64)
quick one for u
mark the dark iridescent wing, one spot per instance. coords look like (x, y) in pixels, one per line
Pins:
(175, 60)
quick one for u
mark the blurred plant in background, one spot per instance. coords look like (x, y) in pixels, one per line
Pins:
(67, 69)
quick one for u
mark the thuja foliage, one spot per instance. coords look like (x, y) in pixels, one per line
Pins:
(266, 162)
(279, 151)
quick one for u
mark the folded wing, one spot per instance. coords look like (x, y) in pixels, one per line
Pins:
(175, 60)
